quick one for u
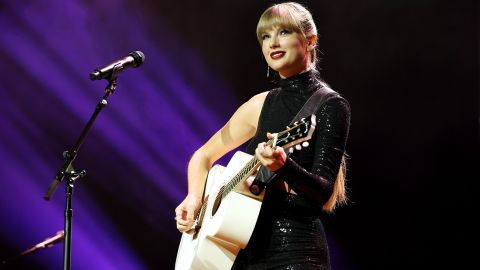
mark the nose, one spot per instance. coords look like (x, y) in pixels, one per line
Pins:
(274, 42)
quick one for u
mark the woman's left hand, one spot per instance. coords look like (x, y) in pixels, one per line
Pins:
(272, 158)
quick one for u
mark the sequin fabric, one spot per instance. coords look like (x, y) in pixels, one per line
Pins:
(311, 171)
(289, 233)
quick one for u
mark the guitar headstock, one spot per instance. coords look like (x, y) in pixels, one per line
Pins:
(295, 133)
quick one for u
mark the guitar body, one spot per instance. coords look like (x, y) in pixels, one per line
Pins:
(224, 229)
(225, 222)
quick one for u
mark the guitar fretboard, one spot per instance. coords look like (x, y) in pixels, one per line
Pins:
(247, 171)
(299, 130)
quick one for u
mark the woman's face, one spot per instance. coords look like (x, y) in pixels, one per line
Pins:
(285, 51)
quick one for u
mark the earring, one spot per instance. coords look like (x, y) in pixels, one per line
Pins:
(268, 71)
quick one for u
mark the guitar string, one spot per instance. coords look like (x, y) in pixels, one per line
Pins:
(246, 171)
(251, 165)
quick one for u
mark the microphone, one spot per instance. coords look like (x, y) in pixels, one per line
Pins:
(134, 59)
(49, 242)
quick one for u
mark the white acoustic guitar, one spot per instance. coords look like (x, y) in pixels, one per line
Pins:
(227, 217)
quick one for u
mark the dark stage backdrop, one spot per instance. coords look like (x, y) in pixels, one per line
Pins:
(409, 69)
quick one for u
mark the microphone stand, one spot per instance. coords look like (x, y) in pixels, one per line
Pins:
(49, 242)
(67, 171)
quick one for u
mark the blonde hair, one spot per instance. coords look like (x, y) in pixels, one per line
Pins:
(339, 193)
(292, 16)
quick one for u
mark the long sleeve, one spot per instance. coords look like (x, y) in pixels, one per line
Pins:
(333, 123)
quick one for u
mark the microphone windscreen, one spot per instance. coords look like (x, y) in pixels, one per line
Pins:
(138, 57)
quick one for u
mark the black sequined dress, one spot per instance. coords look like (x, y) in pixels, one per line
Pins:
(289, 233)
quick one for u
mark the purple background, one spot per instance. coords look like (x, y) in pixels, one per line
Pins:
(408, 68)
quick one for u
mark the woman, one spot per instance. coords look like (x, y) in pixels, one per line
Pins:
(288, 233)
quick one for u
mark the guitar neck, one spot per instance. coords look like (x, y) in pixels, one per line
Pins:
(248, 170)
(295, 133)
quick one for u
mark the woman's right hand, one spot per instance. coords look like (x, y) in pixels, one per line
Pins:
(185, 212)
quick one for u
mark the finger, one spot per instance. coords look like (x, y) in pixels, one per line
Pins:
(267, 151)
(184, 222)
(178, 209)
(182, 228)
(261, 146)
(264, 161)
(278, 151)
(179, 212)
(190, 215)
(258, 150)
(183, 225)
(280, 156)
(259, 154)
(270, 135)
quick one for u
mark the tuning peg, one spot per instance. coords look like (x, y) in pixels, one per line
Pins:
(298, 147)
(290, 150)
(305, 144)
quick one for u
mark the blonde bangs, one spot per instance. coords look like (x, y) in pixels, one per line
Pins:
(277, 16)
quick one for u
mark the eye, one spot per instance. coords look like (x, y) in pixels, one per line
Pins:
(284, 32)
(265, 36)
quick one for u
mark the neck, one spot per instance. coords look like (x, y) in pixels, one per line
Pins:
(288, 75)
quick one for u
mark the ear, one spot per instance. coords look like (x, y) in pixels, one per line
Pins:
(312, 42)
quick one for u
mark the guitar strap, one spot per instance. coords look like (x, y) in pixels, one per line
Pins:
(316, 100)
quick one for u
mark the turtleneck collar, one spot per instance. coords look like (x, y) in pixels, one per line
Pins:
(303, 83)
